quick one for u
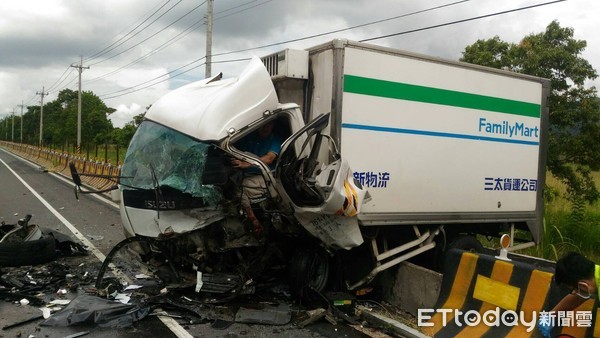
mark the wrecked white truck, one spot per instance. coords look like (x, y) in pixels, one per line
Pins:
(386, 155)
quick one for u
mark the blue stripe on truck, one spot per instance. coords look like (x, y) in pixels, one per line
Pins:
(436, 134)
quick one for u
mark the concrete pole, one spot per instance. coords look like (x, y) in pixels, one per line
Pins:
(21, 105)
(12, 138)
(209, 20)
(80, 68)
(79, 111)
(42, 94)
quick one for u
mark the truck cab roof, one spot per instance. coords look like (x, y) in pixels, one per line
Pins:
(207, 109)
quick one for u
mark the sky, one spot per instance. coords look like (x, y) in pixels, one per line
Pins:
(138, 50)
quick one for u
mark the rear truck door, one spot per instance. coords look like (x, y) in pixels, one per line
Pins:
(319, 186)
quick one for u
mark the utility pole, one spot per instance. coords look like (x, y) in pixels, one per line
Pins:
(209, 20)
(42, 94)
(80, 68)
(21, 105)
(12, 139)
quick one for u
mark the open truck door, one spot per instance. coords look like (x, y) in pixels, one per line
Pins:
(320, 186)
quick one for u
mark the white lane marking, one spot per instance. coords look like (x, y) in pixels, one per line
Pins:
(100, 198)
(60, 217)
(62, 178)
(169, 322)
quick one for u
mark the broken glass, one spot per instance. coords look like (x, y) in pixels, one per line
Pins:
(163, 157)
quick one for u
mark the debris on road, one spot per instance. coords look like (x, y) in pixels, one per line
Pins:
(86, 309)
(28, 244)
(68, 291)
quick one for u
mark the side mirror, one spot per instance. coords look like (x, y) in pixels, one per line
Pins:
(77, 180)
(75, 174)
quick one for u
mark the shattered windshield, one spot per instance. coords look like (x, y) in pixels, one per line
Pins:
(159, 157)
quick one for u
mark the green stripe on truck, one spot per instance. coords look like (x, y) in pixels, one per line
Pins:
(402, 91)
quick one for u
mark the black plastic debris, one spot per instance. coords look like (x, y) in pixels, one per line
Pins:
(172, 302)
(10, 296)
(65, 246)
(87, 309)
(25, 244)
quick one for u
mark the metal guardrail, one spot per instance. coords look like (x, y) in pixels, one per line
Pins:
(58, 162)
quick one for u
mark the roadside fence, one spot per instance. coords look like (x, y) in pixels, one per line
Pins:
(58, 161)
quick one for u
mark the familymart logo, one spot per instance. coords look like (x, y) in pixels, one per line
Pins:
(504, 318)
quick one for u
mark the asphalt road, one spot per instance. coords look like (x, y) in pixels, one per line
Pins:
(95, 222)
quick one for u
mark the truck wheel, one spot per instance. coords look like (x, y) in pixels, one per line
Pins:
(467, 243)
(308, 272)
(23, 253)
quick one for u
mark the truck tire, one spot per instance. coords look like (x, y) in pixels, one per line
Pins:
(308, 273)
(35, 252)
(467, 243)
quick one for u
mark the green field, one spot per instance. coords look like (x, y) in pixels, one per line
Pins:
(569, 226)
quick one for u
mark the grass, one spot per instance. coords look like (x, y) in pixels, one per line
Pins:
(568, 226)
(104, 153)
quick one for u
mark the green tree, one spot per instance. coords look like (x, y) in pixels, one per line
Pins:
(574, 150)
(140, 117)
(122, 136)
(60, 119)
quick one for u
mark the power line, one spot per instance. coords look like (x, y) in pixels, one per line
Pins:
(168, 43)
(233, 60)
(151, 36)
(336, 31)
(126, 91)
(132, 36)
(344, 29)
(131, 31)
(60, 80)
(68, 83)
(234, 7)
(155, 83)
(463, 20)
(61, 77)
(154, 51)
(243, 10)
(158, 77)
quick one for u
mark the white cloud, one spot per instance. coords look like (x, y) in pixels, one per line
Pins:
(125, 114)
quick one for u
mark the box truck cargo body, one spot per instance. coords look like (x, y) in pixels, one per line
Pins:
(383, 152)
(433, 141)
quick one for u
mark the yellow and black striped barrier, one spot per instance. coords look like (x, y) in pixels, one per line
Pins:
(482, 296)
